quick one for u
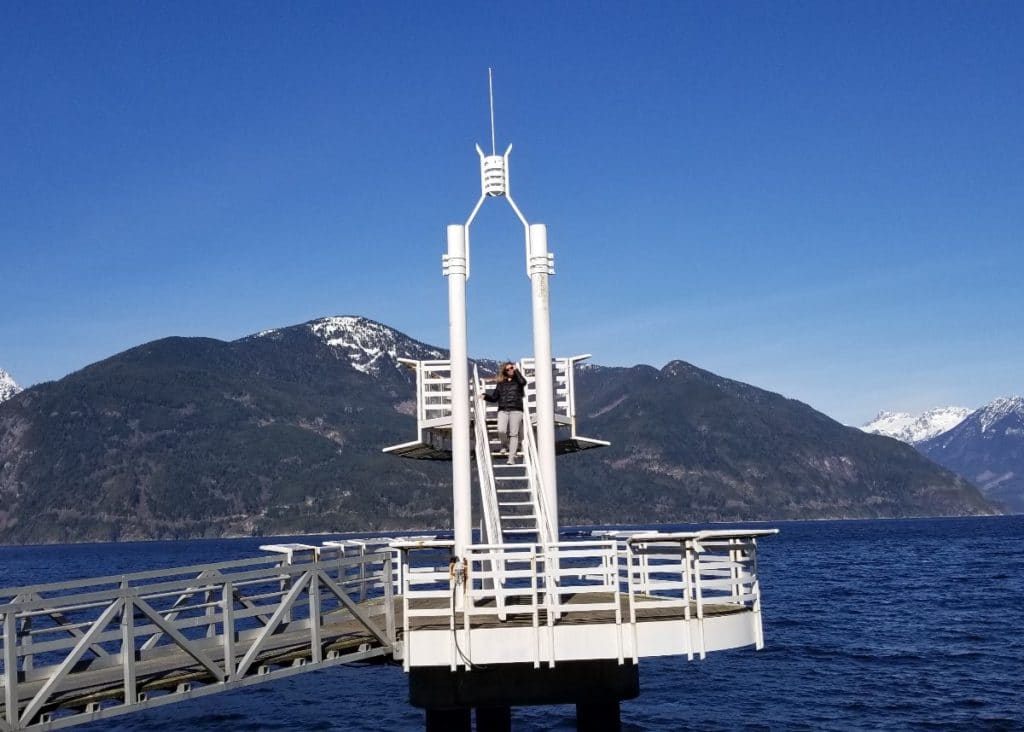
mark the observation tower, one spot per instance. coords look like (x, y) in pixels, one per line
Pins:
(523, 617)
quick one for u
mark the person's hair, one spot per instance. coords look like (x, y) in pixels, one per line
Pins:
(501, 372)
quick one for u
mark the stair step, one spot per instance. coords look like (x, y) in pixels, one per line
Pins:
(518, 517)
(513, 490)
(507, 478)
(519, 531)
(515, 503)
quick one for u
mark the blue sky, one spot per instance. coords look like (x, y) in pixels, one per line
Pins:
(820, 199)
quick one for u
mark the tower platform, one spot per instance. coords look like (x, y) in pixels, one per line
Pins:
(434, 409)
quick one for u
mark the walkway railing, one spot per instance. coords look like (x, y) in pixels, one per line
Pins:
(83, 650)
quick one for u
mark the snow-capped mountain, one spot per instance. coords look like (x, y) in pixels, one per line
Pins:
(914, 429)
(1005, 415)
(1002, 418)
(368, 345)
(988, 449)
(7, 386)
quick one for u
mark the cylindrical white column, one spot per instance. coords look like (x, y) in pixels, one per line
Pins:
(462, 522)
(544, 384)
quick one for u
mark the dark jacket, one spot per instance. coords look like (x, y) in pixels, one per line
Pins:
(508, 394)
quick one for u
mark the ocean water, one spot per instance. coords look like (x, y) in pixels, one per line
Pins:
(869, 625)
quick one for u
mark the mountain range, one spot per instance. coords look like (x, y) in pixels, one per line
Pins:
(281, 432)
(986, 445)
(7, 386)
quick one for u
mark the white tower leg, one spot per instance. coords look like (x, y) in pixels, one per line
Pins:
(455, 269)
(539, 268)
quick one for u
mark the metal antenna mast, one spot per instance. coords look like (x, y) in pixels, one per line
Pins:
(490, 88)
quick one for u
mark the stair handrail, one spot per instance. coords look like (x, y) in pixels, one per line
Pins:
(484, 464)
(547, 539)
(536, 481)
(488, 489)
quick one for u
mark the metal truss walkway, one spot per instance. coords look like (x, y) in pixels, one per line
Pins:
(74, 652)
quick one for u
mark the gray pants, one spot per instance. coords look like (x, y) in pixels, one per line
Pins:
(509, 424)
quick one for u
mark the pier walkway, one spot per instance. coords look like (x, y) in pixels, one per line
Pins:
(83, 650)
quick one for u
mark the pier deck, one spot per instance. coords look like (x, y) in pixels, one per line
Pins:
(568, 616)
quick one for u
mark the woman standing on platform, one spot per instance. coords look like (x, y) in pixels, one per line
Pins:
(509, 393)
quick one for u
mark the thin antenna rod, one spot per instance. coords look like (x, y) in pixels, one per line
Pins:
(490, 88)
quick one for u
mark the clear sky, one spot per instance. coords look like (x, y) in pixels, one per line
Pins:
(820, 199)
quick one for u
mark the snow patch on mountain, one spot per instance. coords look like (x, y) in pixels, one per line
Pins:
(369, 345)
(914, 429)
(7, 386)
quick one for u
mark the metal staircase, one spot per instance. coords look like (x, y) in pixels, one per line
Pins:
(510, 493)
(517, 501)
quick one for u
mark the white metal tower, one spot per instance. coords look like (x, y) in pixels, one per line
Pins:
(494, 183)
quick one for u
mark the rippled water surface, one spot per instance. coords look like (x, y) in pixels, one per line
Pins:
(896, 625)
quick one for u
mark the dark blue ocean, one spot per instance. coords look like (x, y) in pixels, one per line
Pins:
(892, 625)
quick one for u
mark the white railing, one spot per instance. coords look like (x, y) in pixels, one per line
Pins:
(582, 576)
(501, 583)
(570, 386)
(429, 586)
(433, 390)
(693, 575)
(694, 571)
(562, 380)
(368, 576)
